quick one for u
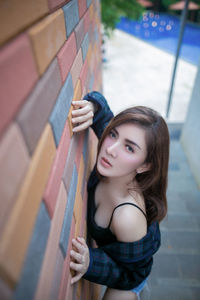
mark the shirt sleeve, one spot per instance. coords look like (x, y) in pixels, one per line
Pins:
(119, 275)
(103, 114)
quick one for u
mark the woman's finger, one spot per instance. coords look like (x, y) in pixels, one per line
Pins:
(83, 118)
(78, 257)
(82, 126)
(76, 278)
(76, 267)
(78, 246)
(82, 241)
(80, 102)
(83, 110)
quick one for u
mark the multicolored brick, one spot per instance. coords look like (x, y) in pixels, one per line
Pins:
(52, 59)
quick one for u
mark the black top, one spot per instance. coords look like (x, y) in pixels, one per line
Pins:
(102, 236)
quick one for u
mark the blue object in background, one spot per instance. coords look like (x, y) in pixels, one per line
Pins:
(162, 31)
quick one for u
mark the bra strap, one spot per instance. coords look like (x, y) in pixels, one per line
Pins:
(129, 203)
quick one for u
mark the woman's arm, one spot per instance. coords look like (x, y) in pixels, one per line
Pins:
(92, 111)
(121, 265)
(96, 265)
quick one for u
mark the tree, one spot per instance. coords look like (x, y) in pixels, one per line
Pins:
(112, 10)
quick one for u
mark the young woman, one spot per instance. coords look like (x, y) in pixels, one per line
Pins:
(126, 196)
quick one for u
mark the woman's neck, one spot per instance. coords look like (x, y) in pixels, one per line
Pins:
(119, 187)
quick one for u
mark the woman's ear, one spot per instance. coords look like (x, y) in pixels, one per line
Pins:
(143, 168)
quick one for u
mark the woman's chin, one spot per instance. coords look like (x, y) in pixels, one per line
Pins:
(101, 170)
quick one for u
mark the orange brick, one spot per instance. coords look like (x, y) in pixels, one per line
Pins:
(14, 161)
(87, 290)
(89, 54)
(80, 176)
(79, 288)
(77, 96)
(47, 37)
(16, 15)
(96, 291)
(49, 262)
(91, 12)
(16, 236)
(77, 91)
(78, 211)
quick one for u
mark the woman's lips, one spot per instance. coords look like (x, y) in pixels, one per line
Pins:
(105, 162)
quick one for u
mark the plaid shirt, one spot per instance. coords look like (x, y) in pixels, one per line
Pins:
(119, 265)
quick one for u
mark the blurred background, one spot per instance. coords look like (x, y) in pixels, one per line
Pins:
(140, 54)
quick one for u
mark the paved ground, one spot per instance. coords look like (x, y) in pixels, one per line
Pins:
(136, 73)
(176, 270)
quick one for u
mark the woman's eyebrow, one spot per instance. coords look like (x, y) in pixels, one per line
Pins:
(133, 143)
(127, 140)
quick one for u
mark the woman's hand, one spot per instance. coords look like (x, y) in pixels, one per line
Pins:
(81, 258)
(82, 116)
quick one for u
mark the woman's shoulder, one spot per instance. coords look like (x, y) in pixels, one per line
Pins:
(129, 224)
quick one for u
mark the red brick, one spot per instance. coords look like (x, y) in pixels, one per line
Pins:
(66, 56)
(5, 292)
(82, 6)
(39, 105)
(14, 161)
(17, 77)
(76, 67)
(69, 289)
(86, 21)
(92, 62)
(80, 33)
(79, 149)
(56, 173)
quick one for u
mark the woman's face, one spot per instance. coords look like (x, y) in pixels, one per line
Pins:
(123, 151)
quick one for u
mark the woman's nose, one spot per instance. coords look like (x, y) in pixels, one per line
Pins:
(112, 150)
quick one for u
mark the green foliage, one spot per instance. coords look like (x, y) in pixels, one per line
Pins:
(112, 10)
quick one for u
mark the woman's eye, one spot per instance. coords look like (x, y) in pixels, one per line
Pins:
(112, 134)
(129, 148)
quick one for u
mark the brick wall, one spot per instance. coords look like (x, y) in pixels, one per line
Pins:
(50, 55)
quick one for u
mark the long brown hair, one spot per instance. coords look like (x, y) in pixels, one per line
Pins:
(153, 183)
